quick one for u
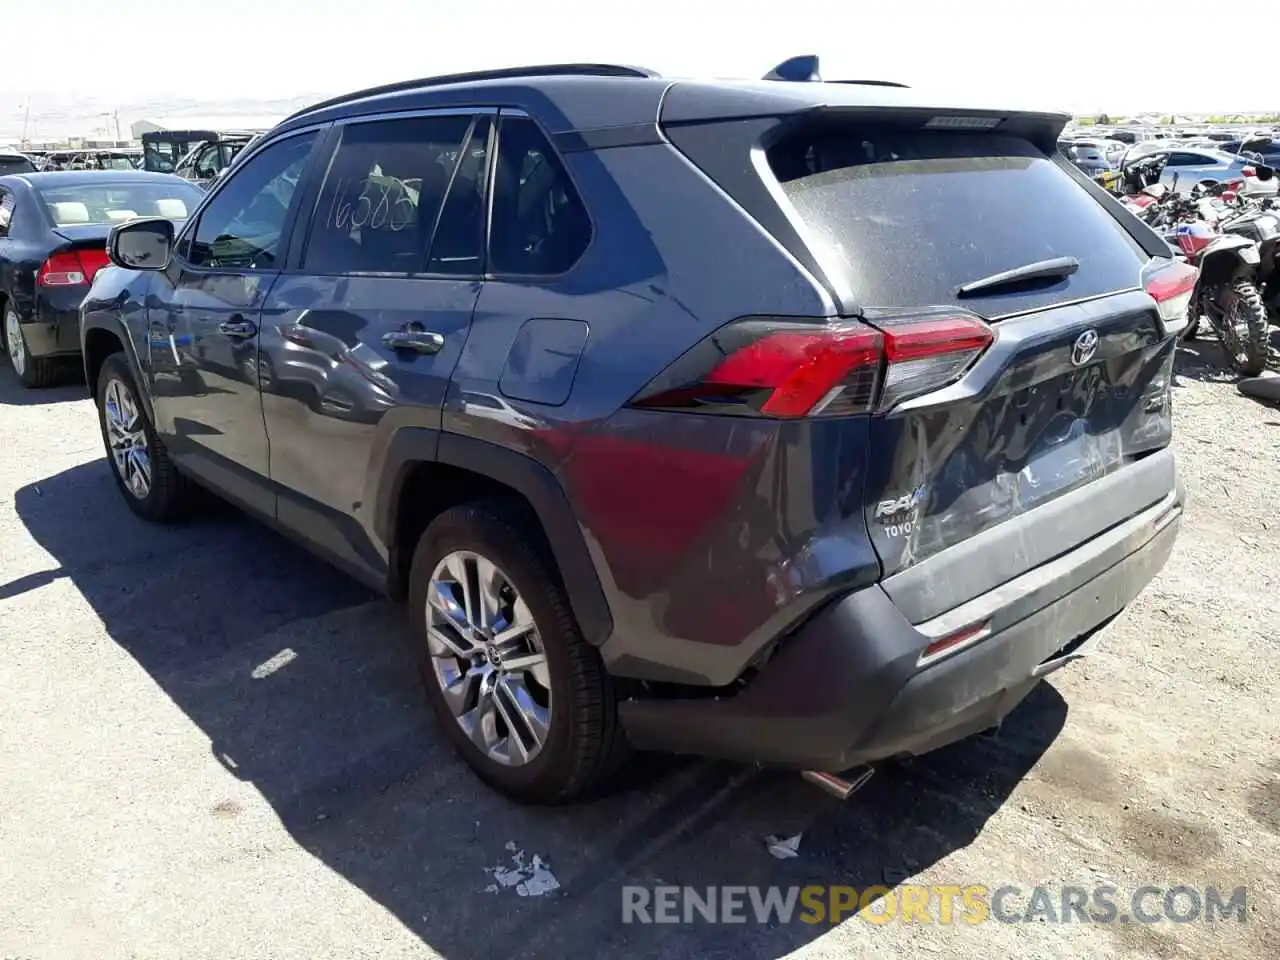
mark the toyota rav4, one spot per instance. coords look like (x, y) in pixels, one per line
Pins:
(794, 422)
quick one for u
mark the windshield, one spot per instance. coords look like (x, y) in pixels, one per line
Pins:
(99, 203)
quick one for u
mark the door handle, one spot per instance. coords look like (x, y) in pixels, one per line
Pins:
(238, 327)
(415, 341)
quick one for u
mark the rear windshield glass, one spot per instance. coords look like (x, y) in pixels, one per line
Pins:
(16, 165)
(908, 216)
(112, 203)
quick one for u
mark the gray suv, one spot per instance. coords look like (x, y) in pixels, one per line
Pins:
(793, 422)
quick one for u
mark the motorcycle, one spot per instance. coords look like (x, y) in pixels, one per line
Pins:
(1259, 221)
(1226, 291)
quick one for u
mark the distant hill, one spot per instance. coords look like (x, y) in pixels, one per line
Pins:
(52, 118)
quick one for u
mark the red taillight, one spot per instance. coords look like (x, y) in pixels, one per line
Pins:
(927, 353)
(1171, 284)
(788, 369)
(92, 261)
(1248, 172)
(800, 370)
(71, 268)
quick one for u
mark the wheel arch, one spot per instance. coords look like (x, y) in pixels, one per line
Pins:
(101, 340)
(426, 472)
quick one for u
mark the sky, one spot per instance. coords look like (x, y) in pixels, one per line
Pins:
(1120, 56)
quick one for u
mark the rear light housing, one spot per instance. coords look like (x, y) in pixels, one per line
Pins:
(1248, 172)
(954, 642)
(1171, 284)
(785, 368)
(71, 268)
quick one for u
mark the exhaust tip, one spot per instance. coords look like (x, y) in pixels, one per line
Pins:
(841, 786)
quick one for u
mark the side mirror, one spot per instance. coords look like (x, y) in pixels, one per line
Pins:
(145, 244)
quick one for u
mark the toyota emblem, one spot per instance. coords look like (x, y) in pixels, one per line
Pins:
(1084, 348)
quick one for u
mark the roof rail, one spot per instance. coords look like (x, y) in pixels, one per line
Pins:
(875, 83)
(474, 76)
(804, 69)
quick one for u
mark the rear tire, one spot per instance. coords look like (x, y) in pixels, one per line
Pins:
(33, 372)
(568, 697)
(151, 485)
(1248, 317)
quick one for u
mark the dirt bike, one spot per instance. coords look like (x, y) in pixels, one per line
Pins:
(1226, 291)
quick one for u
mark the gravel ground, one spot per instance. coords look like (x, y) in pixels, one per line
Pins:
(213, 746)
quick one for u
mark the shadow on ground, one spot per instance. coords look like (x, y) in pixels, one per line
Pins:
(303, 683)
(1204, 359)
(68, 386)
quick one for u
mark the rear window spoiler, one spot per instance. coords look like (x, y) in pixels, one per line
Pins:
(692, 102)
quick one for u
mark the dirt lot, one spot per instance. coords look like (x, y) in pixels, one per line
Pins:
(213, 746)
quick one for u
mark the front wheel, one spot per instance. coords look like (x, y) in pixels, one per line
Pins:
(1243, 328)
(152, 486)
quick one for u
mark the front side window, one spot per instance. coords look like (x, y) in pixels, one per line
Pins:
(540, 225)
(243, 224)
(382, 195)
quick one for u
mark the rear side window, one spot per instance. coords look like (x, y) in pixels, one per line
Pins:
(382, 194)
(10, 165)
(7, 204)
(905, 217)
(540, 226)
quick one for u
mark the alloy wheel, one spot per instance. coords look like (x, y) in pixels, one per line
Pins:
(14, 343)
(487, 656)
(127, 438)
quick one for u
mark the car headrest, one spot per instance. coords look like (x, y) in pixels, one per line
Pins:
(70, 212)
(122, 214)
(171, 207)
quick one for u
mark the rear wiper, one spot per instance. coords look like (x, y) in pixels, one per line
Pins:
(1055, 269)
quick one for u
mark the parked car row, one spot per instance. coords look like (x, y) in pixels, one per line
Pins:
(1190, 160)
(794, 422)
(120, 158)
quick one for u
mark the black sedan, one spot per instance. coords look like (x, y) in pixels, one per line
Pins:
(53, 234)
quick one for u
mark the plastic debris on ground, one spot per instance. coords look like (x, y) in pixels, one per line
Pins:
(530, 878)
(783, 849)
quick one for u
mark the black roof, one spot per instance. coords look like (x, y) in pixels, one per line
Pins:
(568, 98)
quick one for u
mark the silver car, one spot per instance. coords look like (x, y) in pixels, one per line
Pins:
(1192, 164)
